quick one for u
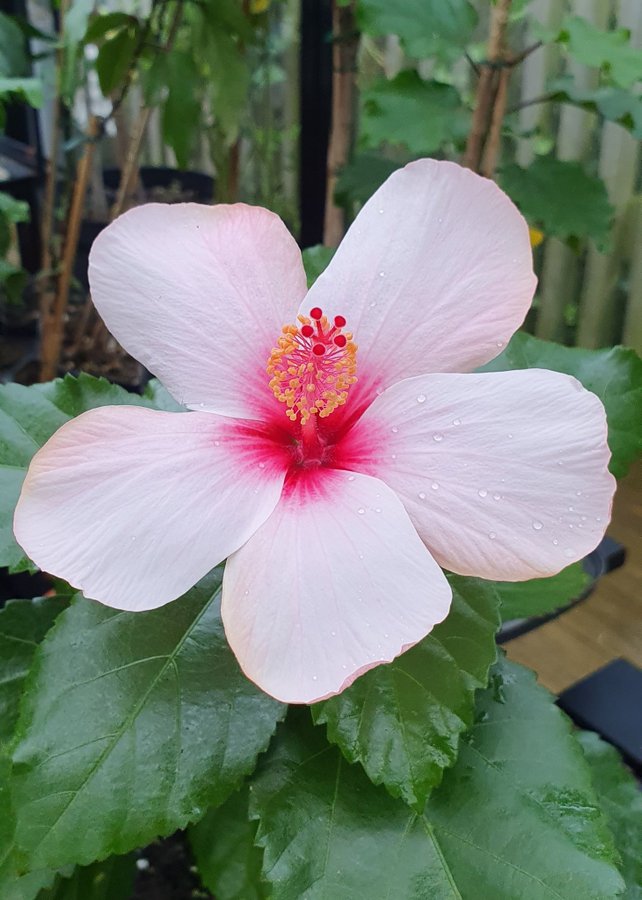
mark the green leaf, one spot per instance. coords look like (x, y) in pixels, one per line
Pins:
(115, 58)
(561, 199)
(425, 27)
(420, 115)
(181, 119)
(27, 89)
(540, 596)
(23, 624)
(101, 25)
(621, 800)
(135, 723)
(223, 844)
(515, 818)
(608, 50)
(28, 418)
(14, 883)
(13, 59)
(362, 176)
(403, 721)
(112, 879)
(12, 209)
(614, 374)
(615, 104)
(315, 260)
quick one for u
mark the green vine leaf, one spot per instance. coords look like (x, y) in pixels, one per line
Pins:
(515, 817)
(403, 721)
(611, 51)
(144, 717)
(112, 879)
(426, 27)
(560, 198)
(614, 374)
(420, 115)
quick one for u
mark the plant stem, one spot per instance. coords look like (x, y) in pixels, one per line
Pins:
(488, 86)
(53, 325)
(344, 90)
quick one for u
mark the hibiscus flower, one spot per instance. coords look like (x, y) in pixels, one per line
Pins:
(333, 452)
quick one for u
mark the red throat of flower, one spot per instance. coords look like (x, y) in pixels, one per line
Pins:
(312, 366)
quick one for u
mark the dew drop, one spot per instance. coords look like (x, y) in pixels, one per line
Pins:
(373, 304)
(435, 486)
(381, 274)
(247, 593)
(437, 436)
(394, 429)
(377, 509)
(314, 678)
(380, 211)
(217, 443)
(482, 492)
(598, 518)
(578, 493)
(456, 421)
(497, 496)
(492, 535)
(500, 344)
(261, 465)
(537, 525)
(421, 398)
(133, 538)
(560, 462)
(422, 495)
(555, 542)
(350, 477)
(571, 508)
(394, 456)
(510, 436)
(583, 518)
(361, 510)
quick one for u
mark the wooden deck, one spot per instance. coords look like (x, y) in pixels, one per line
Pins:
(609, 623)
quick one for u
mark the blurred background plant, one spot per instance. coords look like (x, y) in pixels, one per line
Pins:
(306, 108)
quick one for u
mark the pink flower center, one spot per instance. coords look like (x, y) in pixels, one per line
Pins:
(313, 366)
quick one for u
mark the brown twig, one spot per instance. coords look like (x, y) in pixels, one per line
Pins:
(53, 324)
(344, 91)
(493, 141)
(488, 85)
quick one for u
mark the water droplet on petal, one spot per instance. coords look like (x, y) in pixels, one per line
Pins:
(500, 344)
(333, 633)
(421, 398)
(381, 274)
(437, 436)
(583, 518)
(492, 535)
(555, 542)
(497, 496)
(361, 510)
(510, 435)
(537, 525)
(350, 477)
(314, 678)
(422, 495)
(482, 492)
(456, 421)
(217, 443)
(578, 493)
(394, 429)
(380, 211)
(435, 486)
(261, 465)
(571, 508)
(377, 509)
(394, 456)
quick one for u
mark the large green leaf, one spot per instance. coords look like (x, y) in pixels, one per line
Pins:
(135, 723)
(420, 115)
(515, 818)
(608, 50)
(28, 418)
(403, 721)
(13, 59)
(424, 26)
(115, 58)
(621, 799)
(539, 596)
(23, 624)
(182, 114)
(614, 374)
(223, 844)
(561, 199)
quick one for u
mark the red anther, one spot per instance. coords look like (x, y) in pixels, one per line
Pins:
(318, 349)
(307, 331)
(340, 340)
(339, 322)
(316, 312)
